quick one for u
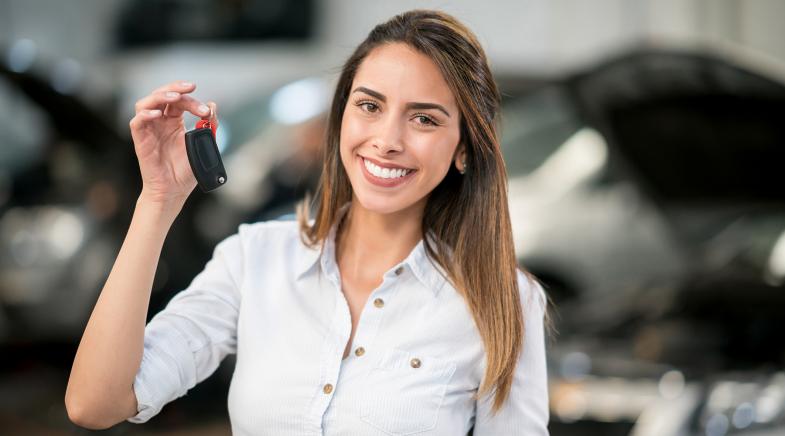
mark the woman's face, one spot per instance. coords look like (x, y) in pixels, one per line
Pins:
(400, 129)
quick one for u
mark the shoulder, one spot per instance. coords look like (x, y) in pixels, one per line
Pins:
(533, 297)
(268, 231)
(262, 236)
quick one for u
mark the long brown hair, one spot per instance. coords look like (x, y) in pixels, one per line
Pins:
(482, 266)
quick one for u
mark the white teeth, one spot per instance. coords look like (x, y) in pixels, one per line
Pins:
(385, 173)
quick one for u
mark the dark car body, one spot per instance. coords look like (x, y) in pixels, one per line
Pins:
(654, 200)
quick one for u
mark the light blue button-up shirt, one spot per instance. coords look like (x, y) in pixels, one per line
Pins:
(278, 304)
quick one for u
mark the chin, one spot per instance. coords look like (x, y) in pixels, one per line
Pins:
(382, 204)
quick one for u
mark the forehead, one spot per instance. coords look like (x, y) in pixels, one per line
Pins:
(402, 73)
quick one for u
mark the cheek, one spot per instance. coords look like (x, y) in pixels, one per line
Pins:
(351, 124)
(436, 153)
(351, 132)
(345, 135)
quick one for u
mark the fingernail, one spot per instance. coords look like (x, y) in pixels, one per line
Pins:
(171, 94)
(186, 84)
(154, 112)
(204, 109)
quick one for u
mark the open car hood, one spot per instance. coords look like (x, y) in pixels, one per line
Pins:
(689, 127)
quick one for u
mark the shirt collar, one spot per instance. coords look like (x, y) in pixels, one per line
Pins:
(428, 272)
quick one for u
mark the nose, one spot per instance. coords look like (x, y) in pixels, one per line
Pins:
(388, 138)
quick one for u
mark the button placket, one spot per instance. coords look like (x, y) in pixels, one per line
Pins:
(367, 329)
(368, 321)
(340, 331)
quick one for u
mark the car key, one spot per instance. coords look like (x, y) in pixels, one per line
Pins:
(204, 157)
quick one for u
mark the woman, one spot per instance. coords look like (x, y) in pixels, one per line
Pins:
(398, 309)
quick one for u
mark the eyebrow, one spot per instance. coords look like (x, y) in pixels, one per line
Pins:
(413, 105)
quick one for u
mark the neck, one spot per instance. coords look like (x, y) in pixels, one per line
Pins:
(369, 243)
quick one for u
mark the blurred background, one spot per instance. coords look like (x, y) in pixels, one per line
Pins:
(644, 141)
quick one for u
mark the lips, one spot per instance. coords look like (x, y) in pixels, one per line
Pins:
(386, 165)
(384, 182)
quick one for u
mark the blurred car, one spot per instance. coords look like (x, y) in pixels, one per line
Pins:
(646, 192)
(65, 178)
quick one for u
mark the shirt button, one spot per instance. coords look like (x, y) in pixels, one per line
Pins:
(378, 302)
(328, 388)
(398, 271)
(359, 351)
(415, 363)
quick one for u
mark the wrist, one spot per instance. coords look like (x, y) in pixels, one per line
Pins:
(163, 207)
(165, 201)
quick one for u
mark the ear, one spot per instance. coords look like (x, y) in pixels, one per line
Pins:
(460, 157)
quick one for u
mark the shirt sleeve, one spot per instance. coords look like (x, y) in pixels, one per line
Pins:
(526, 410)
(188, 339)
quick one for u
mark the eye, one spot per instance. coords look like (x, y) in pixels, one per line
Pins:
(426, 120)
(368, 106)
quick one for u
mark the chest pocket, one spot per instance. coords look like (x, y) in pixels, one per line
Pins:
(405, 391)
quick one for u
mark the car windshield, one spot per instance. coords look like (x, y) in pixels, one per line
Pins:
(534, 126)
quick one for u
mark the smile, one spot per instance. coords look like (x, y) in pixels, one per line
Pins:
(385, 176)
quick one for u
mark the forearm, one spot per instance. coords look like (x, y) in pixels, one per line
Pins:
(100, 388)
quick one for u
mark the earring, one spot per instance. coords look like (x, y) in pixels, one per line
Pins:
(463, 164)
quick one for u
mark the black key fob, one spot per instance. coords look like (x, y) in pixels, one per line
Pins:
(205, 159)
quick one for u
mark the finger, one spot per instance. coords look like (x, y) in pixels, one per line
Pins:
(183, 87)
(157, 100)
(187, 104)
(213, 113)
(143, 117)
